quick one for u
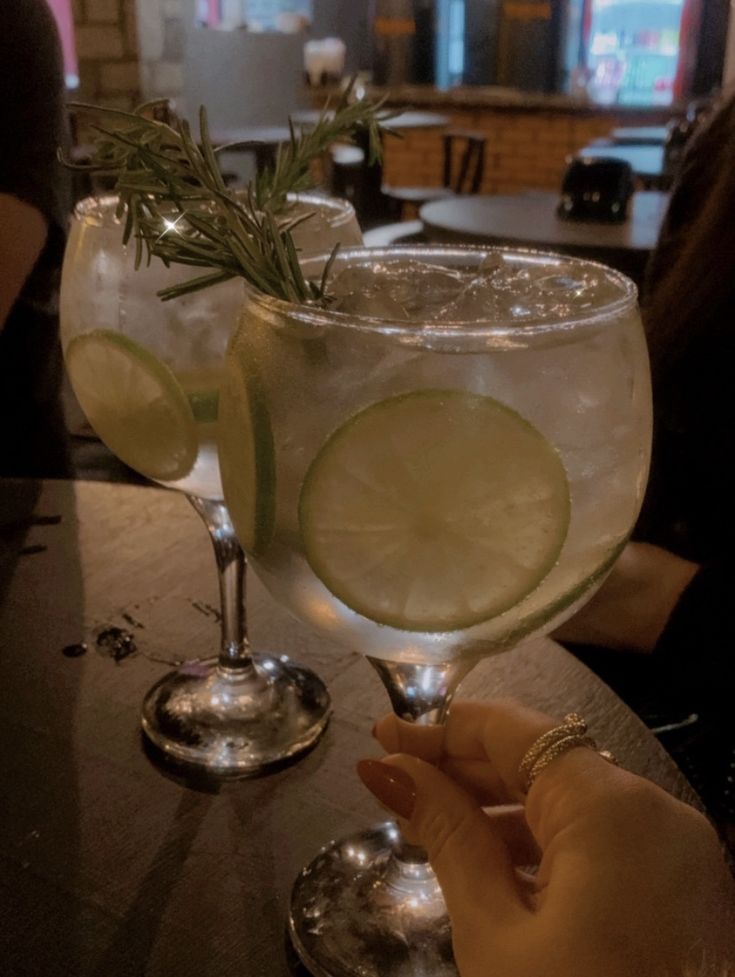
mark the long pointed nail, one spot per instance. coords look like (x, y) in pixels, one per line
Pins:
(391, 785)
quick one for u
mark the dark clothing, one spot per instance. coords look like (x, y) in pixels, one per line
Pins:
(695, 654)
(33, 124)
(688, 304)
(689, 320)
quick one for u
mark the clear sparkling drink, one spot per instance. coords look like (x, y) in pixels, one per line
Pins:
(147, 373)
(449, 457)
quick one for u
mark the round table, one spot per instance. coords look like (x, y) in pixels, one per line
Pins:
(639, 135)
(260, 141)
(408, 119)
(111, 868)
(250, 134)
(530, 220)
(417, 120)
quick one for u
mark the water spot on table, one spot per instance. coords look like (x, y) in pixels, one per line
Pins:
(75, 650)
(116, 642)
(132, 621)
(206, 609)
(32, 550)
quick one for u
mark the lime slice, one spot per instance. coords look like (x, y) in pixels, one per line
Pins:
(135, 404)
(247, 460)
(434, 510)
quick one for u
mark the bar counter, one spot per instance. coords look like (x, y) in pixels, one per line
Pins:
(530, 136)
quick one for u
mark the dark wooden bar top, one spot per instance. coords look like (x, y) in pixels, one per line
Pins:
(512, 99)
(497, 97)
(111, 868)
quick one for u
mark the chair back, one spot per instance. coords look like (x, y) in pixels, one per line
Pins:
(471, 160)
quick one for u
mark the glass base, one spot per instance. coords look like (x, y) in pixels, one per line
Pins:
(233, 722)
(358, 912)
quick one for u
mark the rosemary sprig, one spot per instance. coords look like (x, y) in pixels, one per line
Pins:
(177, 207)
(291, 172)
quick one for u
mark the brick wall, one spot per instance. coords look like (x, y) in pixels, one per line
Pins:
(107, 47)
(129, 50)
(524, 150)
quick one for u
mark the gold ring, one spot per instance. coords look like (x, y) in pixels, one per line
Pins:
(568, 735)
(573, 724)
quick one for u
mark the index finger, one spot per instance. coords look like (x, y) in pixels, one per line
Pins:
(497, 731)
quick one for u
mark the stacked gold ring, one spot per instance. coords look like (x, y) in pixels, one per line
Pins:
(568, 735)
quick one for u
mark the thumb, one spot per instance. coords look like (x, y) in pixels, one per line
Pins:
(473, 865)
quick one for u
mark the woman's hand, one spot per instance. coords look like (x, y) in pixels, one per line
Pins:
(630, 881)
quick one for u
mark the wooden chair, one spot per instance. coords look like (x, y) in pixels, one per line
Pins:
(463, 169)
(344, 165)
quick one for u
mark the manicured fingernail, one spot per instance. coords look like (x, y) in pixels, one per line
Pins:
(374, 730)
(392, 786)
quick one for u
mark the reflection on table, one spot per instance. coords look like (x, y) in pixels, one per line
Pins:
(110, 867)
(530, 219)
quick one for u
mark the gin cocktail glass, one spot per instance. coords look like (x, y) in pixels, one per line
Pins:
(147, 374)
(474, 433)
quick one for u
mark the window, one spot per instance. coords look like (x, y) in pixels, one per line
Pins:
(259, 16)
(209, 13)
(450, 43)
(456, 41)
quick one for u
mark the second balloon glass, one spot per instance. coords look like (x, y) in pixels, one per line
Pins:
(147, 375)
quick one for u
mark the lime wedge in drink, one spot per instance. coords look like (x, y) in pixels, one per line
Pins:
(247, 460)
(135, 404)
(434, 510)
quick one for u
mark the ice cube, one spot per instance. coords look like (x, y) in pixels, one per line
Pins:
(371, 304)
(402, 289)
(499, 290)
(356, 278)
(477, 301)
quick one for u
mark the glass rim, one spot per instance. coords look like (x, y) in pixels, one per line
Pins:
(342, 210)
(98, 210)
(309, 314)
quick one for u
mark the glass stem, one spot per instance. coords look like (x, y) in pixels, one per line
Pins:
(231, 566)
(419, 694)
